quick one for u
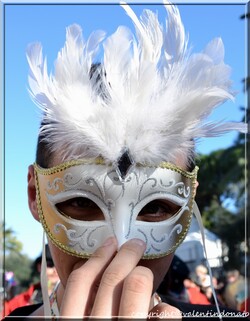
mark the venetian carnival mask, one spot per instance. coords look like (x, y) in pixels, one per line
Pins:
(81, 204)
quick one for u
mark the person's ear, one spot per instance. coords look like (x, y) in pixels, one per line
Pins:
(196, 186)
(32, 192)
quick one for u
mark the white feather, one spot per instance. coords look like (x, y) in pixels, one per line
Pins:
(175, 40)
(155, 98)
(149, 33)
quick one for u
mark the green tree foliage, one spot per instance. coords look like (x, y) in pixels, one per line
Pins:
(222, 177)
(15, 260)
(221, 197)
(20, 264)
(11, 243)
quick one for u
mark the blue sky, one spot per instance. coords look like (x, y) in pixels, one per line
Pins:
(46, 23)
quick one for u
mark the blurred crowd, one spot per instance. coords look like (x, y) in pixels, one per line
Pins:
(195, 287)
(33, 294)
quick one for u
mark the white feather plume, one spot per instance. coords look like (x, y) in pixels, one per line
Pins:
(155, 95)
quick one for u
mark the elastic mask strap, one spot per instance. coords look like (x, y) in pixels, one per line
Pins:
(198, 216)
(44, 282)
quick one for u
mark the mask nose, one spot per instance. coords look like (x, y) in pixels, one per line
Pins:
(121, 224)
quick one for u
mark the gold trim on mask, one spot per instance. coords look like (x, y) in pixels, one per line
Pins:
(100, 161)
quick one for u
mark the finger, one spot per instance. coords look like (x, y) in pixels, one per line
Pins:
(108, 296)
(136, 293)
(83, 278)
(165, 311)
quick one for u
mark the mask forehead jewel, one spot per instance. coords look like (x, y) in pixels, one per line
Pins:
(124, 164)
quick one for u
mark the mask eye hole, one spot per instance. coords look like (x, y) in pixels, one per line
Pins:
(80, 208)
(158, 211)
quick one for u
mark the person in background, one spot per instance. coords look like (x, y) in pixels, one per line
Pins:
(205, 281)
(193, 286)
(33, 294)
(235, 290)
(202, 272)
(10, 285)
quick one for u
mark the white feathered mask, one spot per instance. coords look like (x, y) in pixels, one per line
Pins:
(148, 95)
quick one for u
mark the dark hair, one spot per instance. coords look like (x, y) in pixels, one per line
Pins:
(192, 160)
(38, 261)
(43, 153)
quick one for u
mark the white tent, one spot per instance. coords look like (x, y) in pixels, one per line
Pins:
(191, 251)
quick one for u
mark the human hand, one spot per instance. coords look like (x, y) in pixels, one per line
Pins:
(110, 284)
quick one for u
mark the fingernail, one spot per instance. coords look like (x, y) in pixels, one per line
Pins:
(109, 241)
(139, 242)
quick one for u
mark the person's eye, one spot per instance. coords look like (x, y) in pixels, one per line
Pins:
(157, 211)
(80, 208)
